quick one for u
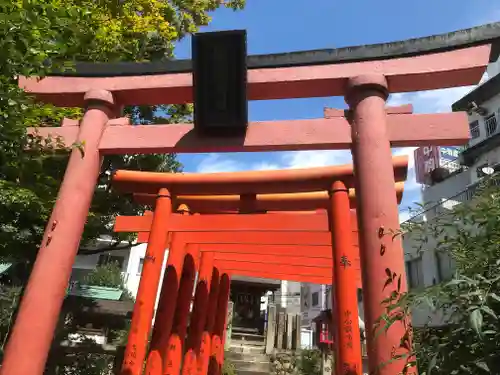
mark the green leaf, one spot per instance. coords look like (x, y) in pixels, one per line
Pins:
(483, 366)
(476, 321)
(432, 364)
(494, 296)
(489, 311)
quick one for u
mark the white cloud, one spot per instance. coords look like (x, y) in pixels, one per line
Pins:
(213, 163)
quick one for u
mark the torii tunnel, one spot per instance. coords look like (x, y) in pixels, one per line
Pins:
(327, 213)
(254, 201)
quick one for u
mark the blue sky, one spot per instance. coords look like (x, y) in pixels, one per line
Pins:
(294, 25)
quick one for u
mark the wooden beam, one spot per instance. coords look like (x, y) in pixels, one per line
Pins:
(230, 222)
(277, 260)
(263, 252)
(283, 272)
(263, 202)
(275, 222)
(453, 68)
(251, 182)
(282, 269)
(404, 130)
(277, 276)
(253, 238)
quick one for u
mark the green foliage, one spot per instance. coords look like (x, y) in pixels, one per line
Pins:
(108, 275)
(310, 362)
(40, 35)
(469, 305)
(87, 364)
(9, 297)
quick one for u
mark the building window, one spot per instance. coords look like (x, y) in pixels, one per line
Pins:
(474, 129)
(315, 299)
(445, 265)
(105, 259)
(490, 123)
(141, 264)
(415, 273)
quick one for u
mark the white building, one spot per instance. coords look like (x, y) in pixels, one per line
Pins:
(446, 188)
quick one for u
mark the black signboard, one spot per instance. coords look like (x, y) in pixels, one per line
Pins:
(220, 82)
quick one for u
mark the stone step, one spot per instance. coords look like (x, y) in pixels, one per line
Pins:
(246, 341)
(244, 330)
(251, 366)
(250, 349)
(247, 336)
(251, 357)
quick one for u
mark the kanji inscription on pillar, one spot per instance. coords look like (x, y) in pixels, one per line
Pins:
(348, 328)
(345, 262)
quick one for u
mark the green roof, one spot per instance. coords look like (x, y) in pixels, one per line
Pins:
(96, 292)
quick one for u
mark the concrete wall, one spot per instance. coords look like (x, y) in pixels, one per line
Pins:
(492, 106)
(290, 293)
(310, 293)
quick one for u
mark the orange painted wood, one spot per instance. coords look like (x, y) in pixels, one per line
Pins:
(430, 71)
(229, 222)
(271, 238)
(284, 269)
(404, 130)
(277, 276)
(263, 202)
(250, 182)
(277, 260)
(276, 222)
(255, 252)
(284, 272)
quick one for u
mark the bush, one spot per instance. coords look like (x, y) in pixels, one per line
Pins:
(310, 362)
(108, 275)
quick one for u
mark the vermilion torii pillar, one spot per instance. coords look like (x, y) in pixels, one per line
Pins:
(454, 59)
(378, 215)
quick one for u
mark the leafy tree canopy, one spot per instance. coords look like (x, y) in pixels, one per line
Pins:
(463, 336)
(38, 35)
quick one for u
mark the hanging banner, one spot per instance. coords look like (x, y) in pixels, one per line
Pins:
(426, 160)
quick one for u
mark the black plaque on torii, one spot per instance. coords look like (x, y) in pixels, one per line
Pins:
(220, 83)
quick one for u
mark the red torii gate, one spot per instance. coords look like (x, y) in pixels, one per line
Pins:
(249, 183)
(167, 334)
(317, 222)
(450, 60)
